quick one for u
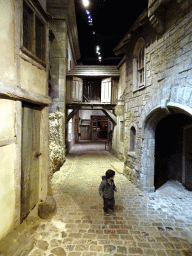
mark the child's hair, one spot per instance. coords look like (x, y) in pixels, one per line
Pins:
(110, 173)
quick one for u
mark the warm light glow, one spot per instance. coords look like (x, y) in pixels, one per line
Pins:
(86, 3)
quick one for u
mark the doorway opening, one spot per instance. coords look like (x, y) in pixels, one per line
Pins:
(172, 151)
(91, 89)
(89, 126)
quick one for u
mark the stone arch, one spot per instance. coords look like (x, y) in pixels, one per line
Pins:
(140, 42)
(177, 101)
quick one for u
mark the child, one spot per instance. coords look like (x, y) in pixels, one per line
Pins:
(106, 190)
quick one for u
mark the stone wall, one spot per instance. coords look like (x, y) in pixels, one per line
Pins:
(168, 73)
(56, 141)
(58, 65)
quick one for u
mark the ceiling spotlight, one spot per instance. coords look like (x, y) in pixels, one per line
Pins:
(86, 3)
(97, 49)
(87, 11)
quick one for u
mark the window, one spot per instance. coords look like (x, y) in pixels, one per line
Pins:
(39, 39)
(33, 33)
(132, 138)
(27, 27)
(139, 65)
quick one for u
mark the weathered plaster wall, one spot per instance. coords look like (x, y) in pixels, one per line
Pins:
(7, 166)
(168, 83)
(7, 119)
(17, 74)
(7, 39)
(122, 80)
(32, 78)
(86, 114)
(7, 190)
(71, 61)
(118, 141)
(70, 138)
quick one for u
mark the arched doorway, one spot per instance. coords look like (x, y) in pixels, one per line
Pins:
(173, 159)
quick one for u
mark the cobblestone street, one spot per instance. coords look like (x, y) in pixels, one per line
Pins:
(157, 223)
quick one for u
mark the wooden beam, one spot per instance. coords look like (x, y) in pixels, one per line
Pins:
(74, 112)
(91, 106)
(17, 93)
(7, 141)
(108, 113)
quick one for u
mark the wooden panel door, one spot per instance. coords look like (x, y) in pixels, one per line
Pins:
(187, 157)
(106, 90)
(30, 158)
(77, 89)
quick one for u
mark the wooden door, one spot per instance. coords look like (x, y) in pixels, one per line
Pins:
(77, 89)
(106, 90)
(187, 157)
(30, 158)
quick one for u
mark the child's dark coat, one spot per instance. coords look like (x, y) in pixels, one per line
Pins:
(105, 189)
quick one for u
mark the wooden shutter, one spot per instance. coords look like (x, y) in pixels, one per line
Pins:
(77, 89)
(106, 90)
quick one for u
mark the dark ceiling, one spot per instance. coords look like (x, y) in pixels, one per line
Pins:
(111, 21)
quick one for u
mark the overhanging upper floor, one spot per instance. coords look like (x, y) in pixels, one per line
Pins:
(94, 71)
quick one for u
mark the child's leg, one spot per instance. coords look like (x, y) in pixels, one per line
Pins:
(106, 204)
(112, 203)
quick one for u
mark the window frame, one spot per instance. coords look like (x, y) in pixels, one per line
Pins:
(139, 70)
(31, 52)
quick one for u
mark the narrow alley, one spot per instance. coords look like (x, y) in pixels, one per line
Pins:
(147, 224)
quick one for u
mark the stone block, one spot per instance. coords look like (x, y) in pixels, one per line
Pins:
(109, 248)
(56, 141)
(58, 251)
(47, 208)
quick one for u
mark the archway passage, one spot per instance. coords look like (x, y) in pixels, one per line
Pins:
(171, 148)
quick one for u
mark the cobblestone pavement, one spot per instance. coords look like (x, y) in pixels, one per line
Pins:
(158, 223)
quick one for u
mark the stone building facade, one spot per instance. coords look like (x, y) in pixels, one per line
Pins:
(64, 53)
(155, 92)
(24, 101)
